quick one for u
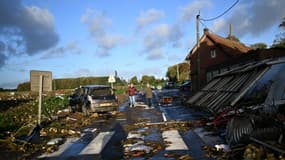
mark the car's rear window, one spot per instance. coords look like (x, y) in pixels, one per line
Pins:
(104, 91)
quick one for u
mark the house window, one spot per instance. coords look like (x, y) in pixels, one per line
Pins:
(213, 53)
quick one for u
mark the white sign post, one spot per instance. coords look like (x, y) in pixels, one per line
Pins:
(111, 80)
(40, 98)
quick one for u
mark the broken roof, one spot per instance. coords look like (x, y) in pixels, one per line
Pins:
(227, 89)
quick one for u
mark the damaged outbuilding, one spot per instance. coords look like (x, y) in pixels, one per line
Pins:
(249, 100)
(253, 83)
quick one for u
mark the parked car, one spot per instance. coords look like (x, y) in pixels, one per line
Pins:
(185, 91)
(169, 85)
(75, 101)
(186, 86)
(93, 98)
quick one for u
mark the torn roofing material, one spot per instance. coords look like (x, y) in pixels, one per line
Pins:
(225, 90)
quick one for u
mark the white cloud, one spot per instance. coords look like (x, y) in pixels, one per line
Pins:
(155, 54)
(41, 16)
(97, 24)
(70, 48)
(148, 17)
(159, 37)
(219, 24)
(190, 11)
(25, 29)
(253, 18)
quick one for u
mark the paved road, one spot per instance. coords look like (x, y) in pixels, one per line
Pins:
(103, 139)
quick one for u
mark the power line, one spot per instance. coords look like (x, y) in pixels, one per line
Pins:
(211, 19)
(207, 27)
(203, 24)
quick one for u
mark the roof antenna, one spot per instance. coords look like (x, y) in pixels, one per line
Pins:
(230, 31)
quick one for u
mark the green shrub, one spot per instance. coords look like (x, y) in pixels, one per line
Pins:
(52, 104)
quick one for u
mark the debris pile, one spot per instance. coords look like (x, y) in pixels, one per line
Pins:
(19, 136)
(138, 145)
(252, 151)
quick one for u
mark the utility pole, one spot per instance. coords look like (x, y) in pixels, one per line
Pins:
(198, 55)
(197, 29)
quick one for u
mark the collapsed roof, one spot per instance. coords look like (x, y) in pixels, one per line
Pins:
(245, 82)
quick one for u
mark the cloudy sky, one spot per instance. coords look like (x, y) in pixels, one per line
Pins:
(74, 38)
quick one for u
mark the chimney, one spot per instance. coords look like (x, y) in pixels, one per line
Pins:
(230, 30)
(206, 30)
(230, 36)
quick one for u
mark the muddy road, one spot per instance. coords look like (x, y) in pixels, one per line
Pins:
(162, 131)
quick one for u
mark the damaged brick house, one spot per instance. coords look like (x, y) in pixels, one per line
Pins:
(239, 86)
(214, 55)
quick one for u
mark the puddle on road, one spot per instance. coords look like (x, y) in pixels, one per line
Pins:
(140, 114)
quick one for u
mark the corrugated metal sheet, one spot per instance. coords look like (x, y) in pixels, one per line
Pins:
(226, 89)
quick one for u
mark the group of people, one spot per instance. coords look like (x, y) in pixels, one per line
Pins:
(132, 91)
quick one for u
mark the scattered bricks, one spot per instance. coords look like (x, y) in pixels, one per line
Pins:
(53, 130)
(55, 141)
(43, 133)
(51, 149)
(94, 115)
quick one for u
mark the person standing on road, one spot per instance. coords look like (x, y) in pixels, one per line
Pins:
(148, 95)
(132, 91)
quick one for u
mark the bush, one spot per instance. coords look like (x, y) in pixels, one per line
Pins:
(52, 104)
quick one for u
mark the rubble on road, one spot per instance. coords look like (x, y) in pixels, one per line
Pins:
(55, 141)
(135, 135)
(185, 157)
(90, 130)
(137, 145)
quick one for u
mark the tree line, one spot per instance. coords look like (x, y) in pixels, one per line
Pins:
(71, 83)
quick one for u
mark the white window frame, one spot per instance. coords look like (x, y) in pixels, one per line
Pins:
(213, 53)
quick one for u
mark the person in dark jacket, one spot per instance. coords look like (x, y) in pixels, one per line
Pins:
(148, 95)
(132, 91)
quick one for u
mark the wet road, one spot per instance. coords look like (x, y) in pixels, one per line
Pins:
(107, 138)
(176, 110)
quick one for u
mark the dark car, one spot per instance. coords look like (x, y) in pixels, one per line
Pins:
(75, 100)
(94, 98)
(185, 90)
(186, 86)
(169, 85)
